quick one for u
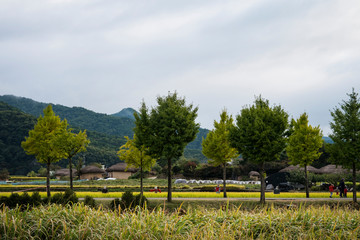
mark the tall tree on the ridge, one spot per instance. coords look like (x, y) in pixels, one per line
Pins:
(216, 146)
(346, 136)
(304, 144)
(167, 129)
(260, 135)
(43, 141)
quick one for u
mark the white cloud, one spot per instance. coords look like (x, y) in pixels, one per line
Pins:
(107, 55)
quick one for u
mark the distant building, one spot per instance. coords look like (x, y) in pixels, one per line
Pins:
(297, 168)
(64, 172)
(253, 175)
(119, 171)
(328, 169)
(92, 173)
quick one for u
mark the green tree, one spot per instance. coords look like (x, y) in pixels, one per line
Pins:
(42, 172)
(136, 157)
(167, 129)
(31, 174)
(4, 174)
(43, 141)
(346, 136)
(260, 135)
(217, 147)
(304, 145)
(72, 144)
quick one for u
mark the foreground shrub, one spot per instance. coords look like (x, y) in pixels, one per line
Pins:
(69, 197)
(115, 204)
(127, 200)
(22, 201)
(90, 201)
(140, 201)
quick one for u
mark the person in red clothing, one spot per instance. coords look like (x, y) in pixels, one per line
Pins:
(217, 189)
(345, 191)
(331, 190)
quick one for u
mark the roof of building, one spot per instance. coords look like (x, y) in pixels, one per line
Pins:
(332, 168)
(297, 167)
(254, 173)
(91, 169)
(120, 167)
(64, 172)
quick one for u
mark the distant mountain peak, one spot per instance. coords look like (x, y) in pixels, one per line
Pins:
(126, 113)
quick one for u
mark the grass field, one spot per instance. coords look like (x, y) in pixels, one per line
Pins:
(81, 222)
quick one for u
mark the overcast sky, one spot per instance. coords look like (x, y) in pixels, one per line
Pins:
(109, 55)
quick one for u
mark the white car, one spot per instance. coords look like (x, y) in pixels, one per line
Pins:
(110, 178)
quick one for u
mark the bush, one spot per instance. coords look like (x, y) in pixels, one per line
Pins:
(57, 198)
(70, 196)
(24, 200)
(35, 199)
(3, 201)
(140, 201)
(89, 201)
(127, 200)
(114, 204)
(14, 200)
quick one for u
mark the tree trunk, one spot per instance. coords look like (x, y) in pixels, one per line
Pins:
(48, 179)
(224, 179)
(169, 197)
(262, 179)
(71, 174)
(306, 182)
(141, 176)
(354, 182)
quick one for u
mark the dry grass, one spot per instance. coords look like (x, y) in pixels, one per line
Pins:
(81, 222)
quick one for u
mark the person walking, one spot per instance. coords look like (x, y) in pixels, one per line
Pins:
(331, 190)
(217, 189)
(342, 188)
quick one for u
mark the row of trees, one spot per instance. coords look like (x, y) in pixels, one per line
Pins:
(261, 133)
(51, 140)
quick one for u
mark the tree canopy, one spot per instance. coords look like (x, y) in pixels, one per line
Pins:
(72, 144)
(217, 147)
(304, 145)
(260, 135)
(43, 141)
(167, 129)
(346, 135)
(136, 157)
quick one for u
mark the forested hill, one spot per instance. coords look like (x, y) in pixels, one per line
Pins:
(76, 116)
(105, 132)
(126, 113)
(14, 126)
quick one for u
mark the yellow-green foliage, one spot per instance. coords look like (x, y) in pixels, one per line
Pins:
(24, 178)
(82, 222)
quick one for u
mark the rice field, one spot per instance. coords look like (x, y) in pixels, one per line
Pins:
(289, 195)
(81, 222)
